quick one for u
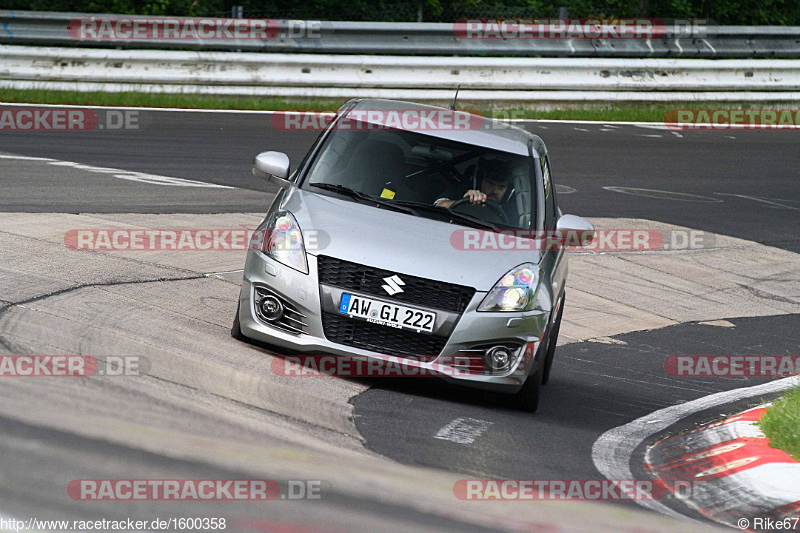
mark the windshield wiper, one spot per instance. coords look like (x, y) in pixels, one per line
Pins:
(341, 189)
(404, 206)
(358, 195)
(447, 213)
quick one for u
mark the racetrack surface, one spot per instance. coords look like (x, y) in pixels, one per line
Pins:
(761, 169)
(594, 387)
(205, 423)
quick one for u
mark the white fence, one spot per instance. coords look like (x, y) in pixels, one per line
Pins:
(415, 77)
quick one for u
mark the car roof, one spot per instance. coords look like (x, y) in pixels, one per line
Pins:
(484, 132)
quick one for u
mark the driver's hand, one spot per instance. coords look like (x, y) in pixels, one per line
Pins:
(475, 196)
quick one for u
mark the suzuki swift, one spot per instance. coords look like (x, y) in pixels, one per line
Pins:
(412, 234)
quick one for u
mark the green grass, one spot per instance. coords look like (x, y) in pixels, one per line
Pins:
(563, 111)
(131, 99)
(781, 423)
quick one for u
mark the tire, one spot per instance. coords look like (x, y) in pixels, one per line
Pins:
(527, 399)
(236, 329)
(551, 344)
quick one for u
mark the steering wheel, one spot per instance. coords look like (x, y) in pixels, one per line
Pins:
(474, 210)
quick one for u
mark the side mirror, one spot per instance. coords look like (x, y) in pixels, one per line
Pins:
(575, 230)
(272, 166)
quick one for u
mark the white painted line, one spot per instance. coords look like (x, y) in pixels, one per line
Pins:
(612, 453)
(220, 275)
(652, 125)
(178, 109)
(718, 323)
(226, 272)
(142, 177)
(770, 203)
(659, 126)
(662, 195)
(650, 135)
(24, 157)
(463, 430)
(155, 179)
(656, 125)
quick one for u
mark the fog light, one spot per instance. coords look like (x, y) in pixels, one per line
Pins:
(271, 308)
(498, 358)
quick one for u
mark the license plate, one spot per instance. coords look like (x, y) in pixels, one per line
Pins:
(387, 314)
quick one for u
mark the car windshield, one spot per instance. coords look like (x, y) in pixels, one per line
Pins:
(425, 176)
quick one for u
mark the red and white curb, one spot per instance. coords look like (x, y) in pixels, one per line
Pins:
(728, 472)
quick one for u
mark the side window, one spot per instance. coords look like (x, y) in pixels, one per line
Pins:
(549, 196)
(307, 156)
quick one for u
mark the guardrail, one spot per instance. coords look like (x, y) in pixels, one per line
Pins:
(424, 78)
(46, 28)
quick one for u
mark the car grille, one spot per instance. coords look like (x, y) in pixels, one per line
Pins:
(381, 339)
(417, 291)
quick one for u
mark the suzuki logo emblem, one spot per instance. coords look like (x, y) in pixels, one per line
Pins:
(393, 285)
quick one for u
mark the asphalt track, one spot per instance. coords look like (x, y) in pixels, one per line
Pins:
(594, 387)
(744, 183)
(749, 180)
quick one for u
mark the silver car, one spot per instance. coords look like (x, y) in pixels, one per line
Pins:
(409, 233)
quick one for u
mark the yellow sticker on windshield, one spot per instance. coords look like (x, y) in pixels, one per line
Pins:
(387, 194)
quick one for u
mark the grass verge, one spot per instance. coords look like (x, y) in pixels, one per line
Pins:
(781, 423)
(565, 111)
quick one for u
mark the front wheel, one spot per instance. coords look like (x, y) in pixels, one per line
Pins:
(236, 329)
(551, 344)
(527, 399)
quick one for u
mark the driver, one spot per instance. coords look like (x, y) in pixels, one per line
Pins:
(493, 184)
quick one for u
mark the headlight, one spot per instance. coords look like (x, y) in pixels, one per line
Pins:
(514, 292)
(283, 241)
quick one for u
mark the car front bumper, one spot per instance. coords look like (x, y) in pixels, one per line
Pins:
(304, 292)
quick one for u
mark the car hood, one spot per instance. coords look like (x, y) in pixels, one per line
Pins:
(400, 242)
